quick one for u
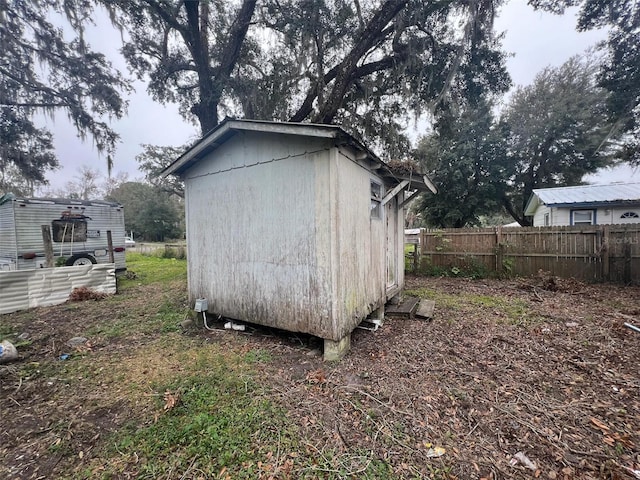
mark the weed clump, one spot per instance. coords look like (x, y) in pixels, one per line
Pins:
(81, 294)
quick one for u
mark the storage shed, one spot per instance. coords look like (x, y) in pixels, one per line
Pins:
(294, 226)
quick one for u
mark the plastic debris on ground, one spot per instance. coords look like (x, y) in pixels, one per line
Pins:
(8, 351)
(521, 458)
(238, 327)
(433, 452)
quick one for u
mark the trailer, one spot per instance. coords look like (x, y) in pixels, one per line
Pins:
(78, 232)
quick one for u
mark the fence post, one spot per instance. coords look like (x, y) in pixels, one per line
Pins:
(48, 245)
(604, 254)
(627, 263)
(499, 250)
(110, 247)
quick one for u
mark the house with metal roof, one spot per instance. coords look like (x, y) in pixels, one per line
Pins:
(293, 225)
(615, 203)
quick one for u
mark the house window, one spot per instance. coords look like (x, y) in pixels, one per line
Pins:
(547, 221)
(376, 199)
(583, 217)
(629, 215)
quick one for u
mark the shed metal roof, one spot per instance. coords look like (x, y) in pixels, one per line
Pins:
(230, 126)
(584, 196)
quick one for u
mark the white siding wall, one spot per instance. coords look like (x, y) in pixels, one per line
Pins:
(257, 236)
(359, 243)
(604, 216)
(538, 217)
(560, 216)
(608, 216)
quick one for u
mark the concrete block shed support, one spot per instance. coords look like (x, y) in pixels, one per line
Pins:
(377, 316)
(334, 351)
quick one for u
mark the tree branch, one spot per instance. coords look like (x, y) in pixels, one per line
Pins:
(307, 105)
(9, 103)
(237, 34)
(374, 32)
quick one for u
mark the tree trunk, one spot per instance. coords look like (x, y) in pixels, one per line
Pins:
(213, 81)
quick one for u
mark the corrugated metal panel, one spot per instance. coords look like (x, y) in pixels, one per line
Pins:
(589, 194)
(24, 289)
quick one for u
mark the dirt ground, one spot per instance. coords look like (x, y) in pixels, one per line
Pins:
(535, 378)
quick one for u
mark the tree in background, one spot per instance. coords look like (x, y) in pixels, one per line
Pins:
(149, 212)
(112, 182)
(558, 130)
(26, 153)
(551, 133)
(366, 66)
(619, 73)
(153, 160)
(84, 186)
(465, 157)
(41, 70)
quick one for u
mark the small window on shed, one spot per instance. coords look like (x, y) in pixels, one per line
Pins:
(547, 221)
(629, 215)
(376, 199)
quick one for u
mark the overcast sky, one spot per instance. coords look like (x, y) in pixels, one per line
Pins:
(536, 40)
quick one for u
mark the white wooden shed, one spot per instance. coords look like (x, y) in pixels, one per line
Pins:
(294, 226)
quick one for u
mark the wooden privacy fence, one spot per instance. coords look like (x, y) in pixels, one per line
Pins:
(592, 253)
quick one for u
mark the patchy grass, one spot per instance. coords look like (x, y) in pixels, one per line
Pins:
(207, 414)
(150, 269)
(512, 311)
(143, 398)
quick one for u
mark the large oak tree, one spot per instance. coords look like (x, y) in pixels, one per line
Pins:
(47, 68)
(551, 133)
(367, 66)
(620, 71)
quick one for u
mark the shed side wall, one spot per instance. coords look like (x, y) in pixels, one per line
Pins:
(252, 232)
(360, 243)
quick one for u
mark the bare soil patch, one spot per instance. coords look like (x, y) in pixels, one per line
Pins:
(505, 372)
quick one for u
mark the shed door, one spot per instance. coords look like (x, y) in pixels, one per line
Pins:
(391, 218)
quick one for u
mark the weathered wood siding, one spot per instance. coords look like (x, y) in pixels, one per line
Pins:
(358, 243)
(279, 233)
(594, 253)
(257, 239)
